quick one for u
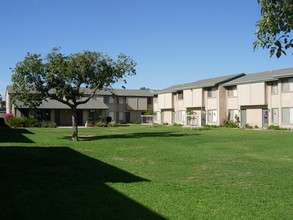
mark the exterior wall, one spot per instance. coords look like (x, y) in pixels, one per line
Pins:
(222, 104)
(251, 94)
(254, 117)
(165, 101)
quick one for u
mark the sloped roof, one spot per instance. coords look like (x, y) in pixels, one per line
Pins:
(53, 104)
(201, 83)
(265, 76)
(118, 92)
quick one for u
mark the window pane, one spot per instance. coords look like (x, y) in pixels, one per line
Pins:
(286, 115)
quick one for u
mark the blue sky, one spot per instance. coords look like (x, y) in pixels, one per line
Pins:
(173, 41)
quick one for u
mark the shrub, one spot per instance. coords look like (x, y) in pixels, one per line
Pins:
(44, 124)
(8, 115)
(101, 124)
(248, 126)
(179, 125)
(273, 127)
(21, 122)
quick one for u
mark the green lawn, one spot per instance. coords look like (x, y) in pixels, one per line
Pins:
(140, 172)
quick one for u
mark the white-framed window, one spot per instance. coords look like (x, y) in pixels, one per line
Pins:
(287, 85)
(274, 88)
(232, 91)
(233, 114)
(212, 92)
(287, 115)
(181, 116)
(120, 100)
(275, 115)
(111, 114)
(212, 115)
(108, 100)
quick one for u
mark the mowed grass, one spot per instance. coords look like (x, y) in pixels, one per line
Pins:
(138, 172)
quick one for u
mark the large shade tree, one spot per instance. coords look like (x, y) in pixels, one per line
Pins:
(275, 26)
(62, 77)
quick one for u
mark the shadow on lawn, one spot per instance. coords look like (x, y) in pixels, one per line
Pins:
(60, 183)
(14, 135)
(132, 135)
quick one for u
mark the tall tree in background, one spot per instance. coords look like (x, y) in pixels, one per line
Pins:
(275, 26)
(60, 77)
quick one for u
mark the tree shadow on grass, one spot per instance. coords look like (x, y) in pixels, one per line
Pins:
(60, 183)
(14, 135)
(132, 135)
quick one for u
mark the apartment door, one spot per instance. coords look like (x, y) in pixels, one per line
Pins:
(127, 117)
(203, 118)
(243, 118)
(265, 118)
(173, 117)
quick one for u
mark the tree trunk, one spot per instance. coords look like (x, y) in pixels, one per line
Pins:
(74, 124)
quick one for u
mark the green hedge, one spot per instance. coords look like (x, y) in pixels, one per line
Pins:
(21, 122)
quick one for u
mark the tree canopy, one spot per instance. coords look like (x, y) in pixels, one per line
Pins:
(61, 77)
(275, 26)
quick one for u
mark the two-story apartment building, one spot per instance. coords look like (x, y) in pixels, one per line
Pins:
(257, 99)
(204, 98)
(262, 99)
(122, 105)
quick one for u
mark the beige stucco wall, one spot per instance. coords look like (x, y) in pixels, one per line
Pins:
(254, 117)
(167, 117)
(165, 100)
(287, 99)
(188, 98)
(197, 97)
(251, 94)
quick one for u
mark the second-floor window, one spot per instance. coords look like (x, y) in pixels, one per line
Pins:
(180, 95)
(108, 100)
(212, 92)
(287, 85)
(150, 100)
(274, 88)
(120, 100)
(232, 91)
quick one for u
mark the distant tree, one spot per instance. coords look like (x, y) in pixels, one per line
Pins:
(275, 26)
(2, 102)
(144, 88)
(60, 77)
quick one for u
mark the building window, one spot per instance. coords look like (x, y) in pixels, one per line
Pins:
(232, 91)
(181, 115)
(212, 92)
(157, 116)
(233, 115)
(287, 85)
(155, 99)
(274, 88)
(92, 115)
(108, 100)
(119, 116)
(180, 95)
(150, 100)
(120, 100)
(275, 115)
(287, 115)
(212, 116)
(111, 114)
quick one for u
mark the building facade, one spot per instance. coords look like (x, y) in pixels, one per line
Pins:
(125, 106)
(258, 100)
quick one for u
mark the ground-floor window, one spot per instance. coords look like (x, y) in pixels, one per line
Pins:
(119, 116)
(181, 115)
(233, 114)
(157, 116)
(275, 115)
(111, 115)
(212, 116)
(287, 115)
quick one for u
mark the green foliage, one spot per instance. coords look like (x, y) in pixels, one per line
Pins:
(101, 124)
(275, 26)
(211, 126)
(248, 126)
(149, 112)
(21, 122)
(273, 127)
(45, 124)
(60, 77)
(179, 125)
